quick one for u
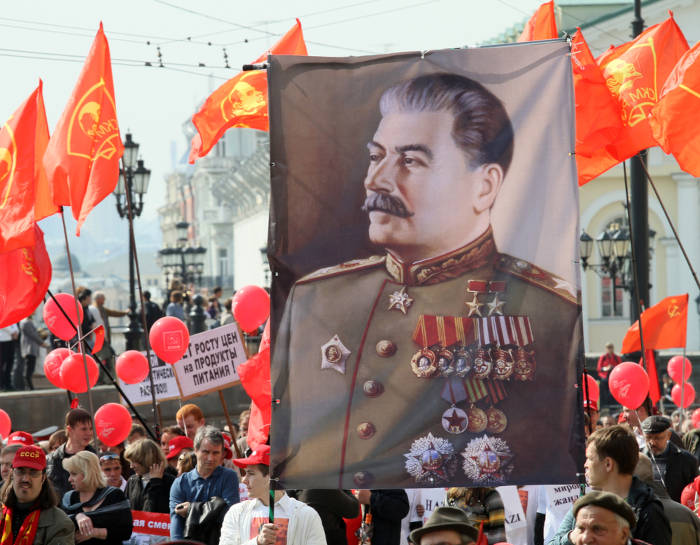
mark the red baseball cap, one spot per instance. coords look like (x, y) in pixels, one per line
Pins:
(30, 456)
(260, 455)
(20, 438)
(176, 444)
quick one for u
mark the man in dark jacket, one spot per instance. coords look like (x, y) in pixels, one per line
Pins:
(79, 431)
(387, 507)
(673, 466)
(611, 457)
(332, 506)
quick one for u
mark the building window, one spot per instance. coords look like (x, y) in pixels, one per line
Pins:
(223, 262)
(606, 298)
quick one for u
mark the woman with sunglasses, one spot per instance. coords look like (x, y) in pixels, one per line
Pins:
(101, 514)
(149, 488)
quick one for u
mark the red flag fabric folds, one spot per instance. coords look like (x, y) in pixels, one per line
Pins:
(598, 120)
(26, 274)
(663, 326)
(675, 118)
(82, 159)
(654, 389)
(24, 190)
(255, 378)
(242, 100)
(541, 26)
(634, 73)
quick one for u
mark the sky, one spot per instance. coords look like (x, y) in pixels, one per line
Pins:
(194, 41)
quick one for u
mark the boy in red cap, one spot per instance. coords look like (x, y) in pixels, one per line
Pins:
(30, 513)
(247, 522)
(175, 447)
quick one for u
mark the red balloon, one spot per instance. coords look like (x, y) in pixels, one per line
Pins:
(112, 423)
(629, 384)
(56, 321)
(5, 424)
(132, 367)
(169, 339)
(593, 389)
(52, 365)
(251, 307)
(73, 373)
(676, 368)
(688, 395)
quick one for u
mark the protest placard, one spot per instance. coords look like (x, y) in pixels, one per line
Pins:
(211, 361)
(164, 384)
(149, 528)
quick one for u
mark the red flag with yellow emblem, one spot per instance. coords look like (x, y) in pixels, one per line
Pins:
(674, 120)
(82, 159)
(541, 26)
(24, 190)
(242, 100)
(635, 73)
(26, 274)
(663, 326)
(598, 120)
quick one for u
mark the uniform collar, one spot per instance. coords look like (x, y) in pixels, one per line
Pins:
(476, 254)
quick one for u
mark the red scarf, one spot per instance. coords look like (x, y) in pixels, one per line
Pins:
(26, 533)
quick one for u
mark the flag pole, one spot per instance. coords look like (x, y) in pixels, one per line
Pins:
(144, 324)
(80, 327)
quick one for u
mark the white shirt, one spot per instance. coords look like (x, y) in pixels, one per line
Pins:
(7, 332)
(555, 501)
(301, 523)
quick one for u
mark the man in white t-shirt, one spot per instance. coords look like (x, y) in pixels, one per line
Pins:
(247, 522)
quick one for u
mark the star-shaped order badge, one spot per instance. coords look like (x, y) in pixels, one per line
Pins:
(334, 354)
(431, 459)
(487, 460)
(400, 300)
(495, 306)
(474, 306)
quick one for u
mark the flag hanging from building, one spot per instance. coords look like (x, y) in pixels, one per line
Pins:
(675, 119)
(242, 100)
(598, 120)
(663, 326)
(25, 277)
(541, 26)
(24, 190)
(635, 73)
(82, 159)
(416, 321)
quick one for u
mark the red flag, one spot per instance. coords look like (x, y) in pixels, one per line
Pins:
(541, 26)
(82, 159)
(481, 538)
(26, 273)
(674, 120)
(654, 390)
(663, 326)
(634, 74)
(24, 190)
(242, 100)
(598, 120)
(255, 378)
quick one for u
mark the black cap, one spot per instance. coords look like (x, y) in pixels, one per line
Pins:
(655, 424)
(607, 500)
(445, 518)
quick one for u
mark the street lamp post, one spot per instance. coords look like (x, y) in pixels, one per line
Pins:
(133, 181)
(183, 261)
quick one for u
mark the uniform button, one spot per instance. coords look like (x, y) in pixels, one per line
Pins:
(386, 348)
(366, 430)
(373, 388)
(363, 479)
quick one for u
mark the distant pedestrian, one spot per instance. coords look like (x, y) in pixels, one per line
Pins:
(153, 311)
(606, 363)
(8, 336)
(30, 344)
(175, 306)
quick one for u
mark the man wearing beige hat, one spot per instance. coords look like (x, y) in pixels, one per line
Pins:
(446, 526)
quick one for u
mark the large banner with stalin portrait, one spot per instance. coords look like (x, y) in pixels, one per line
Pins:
(423, 235)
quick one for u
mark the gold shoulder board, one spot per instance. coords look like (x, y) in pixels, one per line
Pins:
(343, 268)
(537, 276)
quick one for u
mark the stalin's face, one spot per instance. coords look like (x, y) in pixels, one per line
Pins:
(424, 197)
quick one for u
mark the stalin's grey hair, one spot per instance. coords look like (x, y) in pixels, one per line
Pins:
(482, 128)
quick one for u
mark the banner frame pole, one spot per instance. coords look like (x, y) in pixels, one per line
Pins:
(232, 431)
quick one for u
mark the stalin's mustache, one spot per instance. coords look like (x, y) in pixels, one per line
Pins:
(386, 203)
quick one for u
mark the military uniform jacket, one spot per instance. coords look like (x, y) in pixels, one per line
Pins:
(366, 398)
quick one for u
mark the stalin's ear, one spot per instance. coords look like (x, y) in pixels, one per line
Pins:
(489, 179)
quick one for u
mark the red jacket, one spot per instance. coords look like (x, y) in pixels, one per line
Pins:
(607, 360)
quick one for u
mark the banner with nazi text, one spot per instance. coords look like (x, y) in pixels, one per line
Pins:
(426, 303)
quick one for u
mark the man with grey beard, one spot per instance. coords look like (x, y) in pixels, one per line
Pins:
(381, 365)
